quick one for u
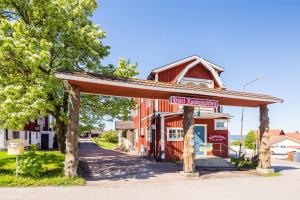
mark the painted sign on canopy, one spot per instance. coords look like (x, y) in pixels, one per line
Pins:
(193, 102)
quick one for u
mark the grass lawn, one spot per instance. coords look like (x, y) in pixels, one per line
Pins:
(101, 142)
(52, 162)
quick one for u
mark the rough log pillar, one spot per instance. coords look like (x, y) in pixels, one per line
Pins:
(119, 137)
(188, 148)
(264, 161)
(71, 157)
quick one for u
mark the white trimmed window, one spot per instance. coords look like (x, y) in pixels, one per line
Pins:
(136, 134)
(175, 134)
(142, 131)
(221, 124)
(149, 134)
(148, 103)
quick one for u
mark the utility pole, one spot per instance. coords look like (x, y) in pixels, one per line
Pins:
(243, 109)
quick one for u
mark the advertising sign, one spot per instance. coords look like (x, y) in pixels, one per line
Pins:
(193, 102)
(206, 147)
(216, 138)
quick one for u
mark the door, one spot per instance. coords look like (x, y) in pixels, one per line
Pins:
(200, 137)
(44, 141)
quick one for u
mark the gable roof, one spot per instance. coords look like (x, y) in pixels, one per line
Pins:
(188, 59)
(206, 65)
(273, 132)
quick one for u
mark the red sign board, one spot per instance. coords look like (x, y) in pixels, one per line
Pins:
(216, 138)
(194, 102)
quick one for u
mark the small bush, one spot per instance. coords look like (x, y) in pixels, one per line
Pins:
(31, 165)
(243, 162)
(110, 136)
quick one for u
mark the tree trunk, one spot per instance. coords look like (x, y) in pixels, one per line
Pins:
(71, 157)
(264, 149)
(61, 125)
(188, 148)
(61, 128)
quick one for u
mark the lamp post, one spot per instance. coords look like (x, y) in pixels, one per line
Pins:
(242, 117)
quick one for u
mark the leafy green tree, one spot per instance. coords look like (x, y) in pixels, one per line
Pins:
(250, 140)
(38, 38)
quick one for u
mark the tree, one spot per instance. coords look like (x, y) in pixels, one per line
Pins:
(250, 140)
(38, 38)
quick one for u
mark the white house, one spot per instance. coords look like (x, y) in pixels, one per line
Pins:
(39, 132)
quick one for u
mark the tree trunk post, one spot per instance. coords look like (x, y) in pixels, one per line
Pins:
(119, 137)
(71, 157)
(188, 148)
(264, 161)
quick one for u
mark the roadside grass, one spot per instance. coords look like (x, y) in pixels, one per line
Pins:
(102, 142)
(13, 181)
(271, 174)
(52, 162)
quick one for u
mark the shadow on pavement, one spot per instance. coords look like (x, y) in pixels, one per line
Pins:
(284, 168)
(96, 163)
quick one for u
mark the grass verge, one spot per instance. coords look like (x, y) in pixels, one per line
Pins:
(101, 142)
(13, 181)
(271, 174)
(52, 162)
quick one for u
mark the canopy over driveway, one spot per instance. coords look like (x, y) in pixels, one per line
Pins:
(132, 87)
(77, 82)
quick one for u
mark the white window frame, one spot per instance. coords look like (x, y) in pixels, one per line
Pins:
(197, 81)
(225, 121)
(149, 134)
(174, 139)
(136, 135)
(148, 103)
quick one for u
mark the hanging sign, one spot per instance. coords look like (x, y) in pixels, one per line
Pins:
(217, 138)
(206, 147)
(193, 102)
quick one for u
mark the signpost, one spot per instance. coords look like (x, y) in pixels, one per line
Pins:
(15, 147)
(193, 102)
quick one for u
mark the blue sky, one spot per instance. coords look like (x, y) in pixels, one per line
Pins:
(247, 38)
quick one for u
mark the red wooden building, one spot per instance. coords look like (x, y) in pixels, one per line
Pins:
(159, 125)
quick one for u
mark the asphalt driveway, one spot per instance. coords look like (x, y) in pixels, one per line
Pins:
(98, 164)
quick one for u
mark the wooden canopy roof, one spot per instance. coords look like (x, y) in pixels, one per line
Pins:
(133, 87)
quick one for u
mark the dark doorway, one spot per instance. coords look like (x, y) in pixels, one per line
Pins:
(29, 138)
(44, 141)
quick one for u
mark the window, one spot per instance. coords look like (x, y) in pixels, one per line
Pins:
(37, 136)
(142, 131)
(149, 134)
(16, 134)
(204, 83)
(175, 134)
(221, 124)
(148, 102)
(136, 133)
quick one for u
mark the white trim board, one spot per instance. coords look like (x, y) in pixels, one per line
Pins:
(163, 68)
(206, 65)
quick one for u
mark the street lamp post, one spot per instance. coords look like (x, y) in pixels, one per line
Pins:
(242, 117)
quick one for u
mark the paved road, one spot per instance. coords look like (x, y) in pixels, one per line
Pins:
(229, 185)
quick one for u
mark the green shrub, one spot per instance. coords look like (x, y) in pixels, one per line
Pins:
(31, 165)
(250, 140)
(110, 136)
(235, 143)
(243, 162)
